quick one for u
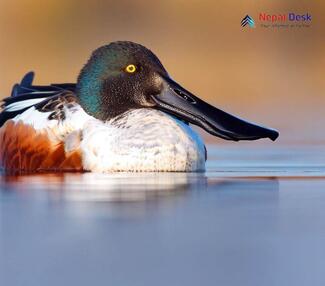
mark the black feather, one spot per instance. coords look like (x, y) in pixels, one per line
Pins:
(28, 78)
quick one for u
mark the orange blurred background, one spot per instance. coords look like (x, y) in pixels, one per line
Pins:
(274, 76)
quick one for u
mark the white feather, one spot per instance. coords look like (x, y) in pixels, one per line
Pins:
(39, 120)
(143, 140)
(43, 92)
(23, 104)
(57, 131)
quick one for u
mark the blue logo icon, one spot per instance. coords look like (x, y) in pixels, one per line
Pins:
(248, 20)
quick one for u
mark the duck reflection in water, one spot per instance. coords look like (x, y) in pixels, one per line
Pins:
(124, 187)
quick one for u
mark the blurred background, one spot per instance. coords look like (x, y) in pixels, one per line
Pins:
(273, 76)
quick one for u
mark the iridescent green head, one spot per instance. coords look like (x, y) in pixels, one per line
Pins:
(119, 77)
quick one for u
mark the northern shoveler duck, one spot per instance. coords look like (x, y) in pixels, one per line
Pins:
(125, 113)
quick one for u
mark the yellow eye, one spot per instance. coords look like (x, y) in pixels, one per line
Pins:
(131, 68)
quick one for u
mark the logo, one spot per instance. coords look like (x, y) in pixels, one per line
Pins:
(279, 20)
(248, 20)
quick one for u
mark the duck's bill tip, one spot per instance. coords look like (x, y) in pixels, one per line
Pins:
(179, 102)
(275, 134)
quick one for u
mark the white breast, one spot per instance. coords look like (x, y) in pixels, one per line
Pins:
(142, 140)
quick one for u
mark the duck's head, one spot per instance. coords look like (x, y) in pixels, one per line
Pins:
(123, 76)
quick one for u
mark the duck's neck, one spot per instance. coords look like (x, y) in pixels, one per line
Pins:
(97, 99)
(89, 94)
(90, 86)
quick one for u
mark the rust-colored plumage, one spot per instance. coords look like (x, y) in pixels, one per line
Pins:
(24, 149)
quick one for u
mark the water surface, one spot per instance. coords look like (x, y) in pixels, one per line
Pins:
(256, 217)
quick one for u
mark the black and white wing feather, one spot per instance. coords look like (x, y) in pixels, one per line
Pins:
(51, 98)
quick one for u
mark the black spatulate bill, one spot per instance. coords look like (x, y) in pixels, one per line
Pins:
(176, 100)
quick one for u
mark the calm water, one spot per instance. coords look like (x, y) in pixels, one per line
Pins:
(256, 217)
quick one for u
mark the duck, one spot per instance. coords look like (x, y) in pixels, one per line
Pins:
(125, 113)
